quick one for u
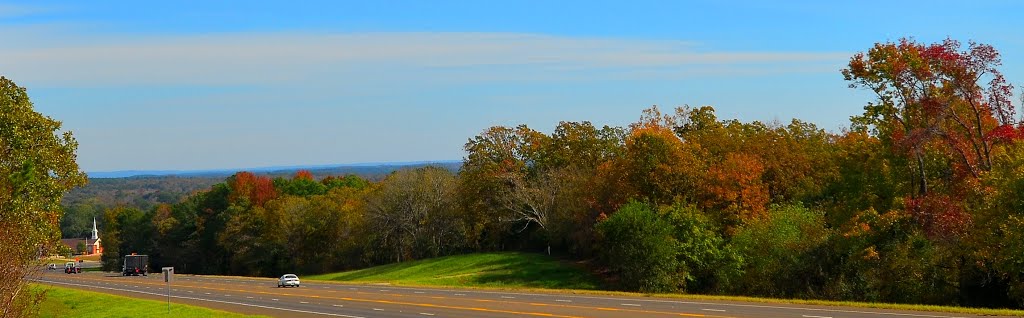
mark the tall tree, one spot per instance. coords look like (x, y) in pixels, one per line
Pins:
(37, 165)
(496, 160)
(934, 96)
(408, 214)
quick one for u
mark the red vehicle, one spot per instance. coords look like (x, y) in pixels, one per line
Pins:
(72, 268)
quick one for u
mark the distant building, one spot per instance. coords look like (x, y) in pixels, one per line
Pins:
(92, 244)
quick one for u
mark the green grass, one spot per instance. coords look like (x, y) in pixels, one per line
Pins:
(497, 270)
(67, 302)
(536, 272)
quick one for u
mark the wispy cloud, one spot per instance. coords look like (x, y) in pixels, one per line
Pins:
(16, 10)
(269, 58)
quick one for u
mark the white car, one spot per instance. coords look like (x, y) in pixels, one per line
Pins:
(288, 280)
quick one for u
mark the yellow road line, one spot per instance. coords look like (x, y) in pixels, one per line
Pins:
(448, 307)
(544, 305)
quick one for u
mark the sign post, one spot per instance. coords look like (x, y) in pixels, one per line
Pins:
(168, 277)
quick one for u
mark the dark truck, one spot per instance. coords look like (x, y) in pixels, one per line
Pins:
(72, 268)
(135, 265)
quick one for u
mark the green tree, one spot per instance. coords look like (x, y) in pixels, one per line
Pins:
(128, 230)
(705, 260)
(37, 166)
(778, 252)
(77, 220)
(639, 246)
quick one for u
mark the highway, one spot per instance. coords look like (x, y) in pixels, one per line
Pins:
(326, 299)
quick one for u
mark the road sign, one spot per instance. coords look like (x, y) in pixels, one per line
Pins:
(168, 277)
(168, 274)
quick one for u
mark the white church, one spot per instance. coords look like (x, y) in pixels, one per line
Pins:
(92, 244)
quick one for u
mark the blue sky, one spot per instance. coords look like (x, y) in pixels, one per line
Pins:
(213, 85)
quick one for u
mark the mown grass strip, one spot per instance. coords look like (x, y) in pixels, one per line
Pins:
(539, 273)
(66, 302)
(496, 270)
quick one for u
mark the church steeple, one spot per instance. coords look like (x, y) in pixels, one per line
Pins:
(95, 231)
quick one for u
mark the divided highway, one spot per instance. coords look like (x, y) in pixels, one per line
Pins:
(319, 299)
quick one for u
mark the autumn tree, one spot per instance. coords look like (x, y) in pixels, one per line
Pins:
(253, 189)
(656, 165)
(38, 166)
(302, 184)
(934, 97)
(495, 161)
(409, 215)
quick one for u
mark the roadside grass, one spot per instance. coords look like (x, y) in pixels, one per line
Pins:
(494, 270)
(539, 273)
(67, 302)
(94, 257)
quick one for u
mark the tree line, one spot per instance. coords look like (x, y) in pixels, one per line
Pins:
(921, 200)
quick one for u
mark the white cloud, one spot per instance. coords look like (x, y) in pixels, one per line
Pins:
(14, 10)
(56, 56)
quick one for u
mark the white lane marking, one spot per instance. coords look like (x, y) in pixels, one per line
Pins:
(418, 292)
(250, 297)
(384, 290)
(426, 314)
(274, 299)
(717, 310)
(692, 303)
(809, 316)
(508, 297)
(338, 305)
(704, 304)
(209, 300)
(306, 302)
(226, 295)
(206, 293)
(378, 309)
(563, 300)
(634, 305)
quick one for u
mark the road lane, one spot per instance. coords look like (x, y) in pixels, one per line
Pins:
(326, 299)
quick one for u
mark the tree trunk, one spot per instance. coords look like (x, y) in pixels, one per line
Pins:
(923, 179)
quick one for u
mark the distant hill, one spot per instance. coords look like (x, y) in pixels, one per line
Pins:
(354, 168)
(144, 189)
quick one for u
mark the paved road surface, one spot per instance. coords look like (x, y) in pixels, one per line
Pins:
(262, 296)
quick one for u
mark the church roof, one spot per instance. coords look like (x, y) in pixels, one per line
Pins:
(73, 242)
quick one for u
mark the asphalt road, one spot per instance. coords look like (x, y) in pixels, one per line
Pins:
(319, 299)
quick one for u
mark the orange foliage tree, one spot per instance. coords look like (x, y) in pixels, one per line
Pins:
(248, 186)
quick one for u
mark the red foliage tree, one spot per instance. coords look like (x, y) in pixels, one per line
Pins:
(941, 217)
(246, 185)
(303, 175)
(934, 97)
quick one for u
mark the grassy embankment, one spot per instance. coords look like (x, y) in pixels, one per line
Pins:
(535, 271)
(67, 302)
(497, 270)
